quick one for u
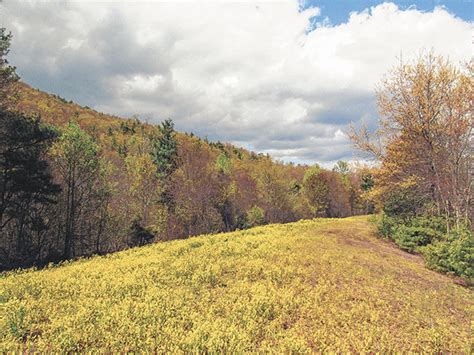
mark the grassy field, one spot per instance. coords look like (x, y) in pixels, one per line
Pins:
(317, 285)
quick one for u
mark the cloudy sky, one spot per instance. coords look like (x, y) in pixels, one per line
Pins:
(280, 77)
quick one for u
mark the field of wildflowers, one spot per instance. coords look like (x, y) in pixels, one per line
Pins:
(319, 285)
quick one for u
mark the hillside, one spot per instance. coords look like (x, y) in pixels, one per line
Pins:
(58, 111)
(314, 285)
(138, 183)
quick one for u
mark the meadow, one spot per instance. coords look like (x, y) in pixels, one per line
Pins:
(314, 285)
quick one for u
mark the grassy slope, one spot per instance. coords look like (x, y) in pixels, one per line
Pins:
(311, 285)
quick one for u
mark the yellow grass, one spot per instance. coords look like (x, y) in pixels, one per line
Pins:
(322, 285)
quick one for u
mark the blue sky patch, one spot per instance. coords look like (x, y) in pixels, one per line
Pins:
(338, 11)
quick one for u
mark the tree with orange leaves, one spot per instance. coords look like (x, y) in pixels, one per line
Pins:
(425, 140)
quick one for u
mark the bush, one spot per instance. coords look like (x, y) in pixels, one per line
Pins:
(434, 222)
(386, 225)
(411, 233)
(411, 237)
(451, 253)
(403, 203)
(455, 255)
(255, 216)
(139, 235)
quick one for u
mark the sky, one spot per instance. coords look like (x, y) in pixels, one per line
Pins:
(338, 11)
(282, 77)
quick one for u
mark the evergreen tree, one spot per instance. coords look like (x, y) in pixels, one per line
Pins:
(26, 185)
(8, 76)
(165, 149)
(367, 182)
(164, 154)
(139, 235)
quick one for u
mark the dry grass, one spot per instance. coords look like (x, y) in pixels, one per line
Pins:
(322, 285)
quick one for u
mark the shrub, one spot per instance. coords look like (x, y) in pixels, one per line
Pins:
(411, 233)
(139, 235)
(451, 253)
(386, 225)
(434, 222)
(411, 237)
(455, 255)
(255, 216)
(403, 203)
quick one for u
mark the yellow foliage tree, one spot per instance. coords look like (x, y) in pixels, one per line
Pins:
(425, 140)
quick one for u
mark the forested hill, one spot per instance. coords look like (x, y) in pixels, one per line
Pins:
(121, 183)
(58, 111)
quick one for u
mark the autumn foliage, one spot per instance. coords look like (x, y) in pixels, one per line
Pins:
(121, 178)
(425, 150)
(425, 140)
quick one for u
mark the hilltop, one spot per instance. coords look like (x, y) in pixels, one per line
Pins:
(312, 285)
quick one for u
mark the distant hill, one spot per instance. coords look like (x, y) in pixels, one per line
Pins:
(321, 285)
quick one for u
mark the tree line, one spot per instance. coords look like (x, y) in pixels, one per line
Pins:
(74, 186)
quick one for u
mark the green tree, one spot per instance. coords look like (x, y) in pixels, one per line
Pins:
(164, 153)
(144, 184)
(26, 185)
(316, 190)
(367, 182)
(139, 235)
(223, 164)
(8, 76)
(165, 149)
(76, 159)
(255, 217)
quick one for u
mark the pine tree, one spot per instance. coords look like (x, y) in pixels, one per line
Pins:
(164, 154)
(26, 185)
(165, 149)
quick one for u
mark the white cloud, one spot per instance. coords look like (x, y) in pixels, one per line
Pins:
(247, 72)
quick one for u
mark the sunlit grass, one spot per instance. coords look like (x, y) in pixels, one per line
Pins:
(322, 285)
